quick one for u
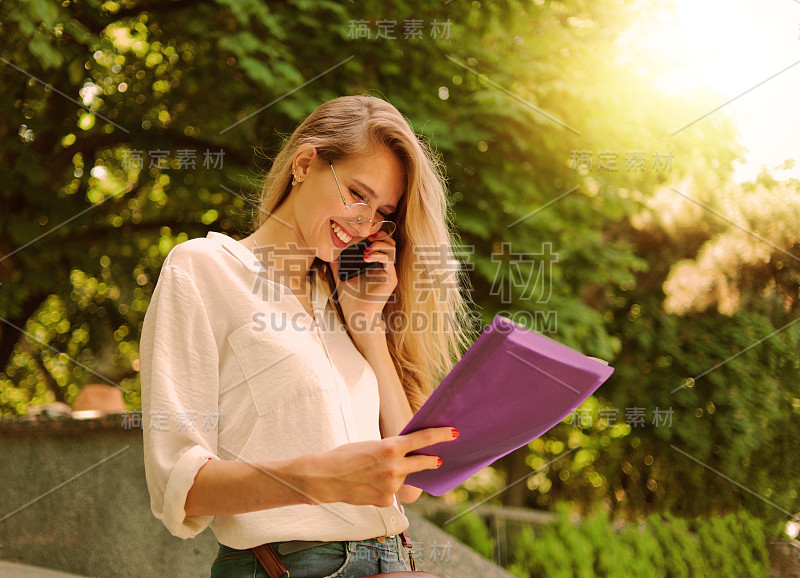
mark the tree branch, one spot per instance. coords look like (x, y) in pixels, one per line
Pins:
(48, 377)
(9, 335)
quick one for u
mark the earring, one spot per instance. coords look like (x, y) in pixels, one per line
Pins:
(294, 180)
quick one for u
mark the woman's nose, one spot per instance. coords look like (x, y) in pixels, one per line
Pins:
(364, 228)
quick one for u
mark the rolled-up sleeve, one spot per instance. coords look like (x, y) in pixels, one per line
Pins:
(179, 365)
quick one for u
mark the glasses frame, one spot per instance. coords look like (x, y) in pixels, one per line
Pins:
(346, 206)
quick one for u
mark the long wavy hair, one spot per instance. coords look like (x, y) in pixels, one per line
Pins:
(428, 318)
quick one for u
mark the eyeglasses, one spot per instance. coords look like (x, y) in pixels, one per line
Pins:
(360, 212)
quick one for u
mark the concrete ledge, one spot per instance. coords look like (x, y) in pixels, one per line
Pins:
(14, 570)
(45, 424)
(444, 555)
(75, 500)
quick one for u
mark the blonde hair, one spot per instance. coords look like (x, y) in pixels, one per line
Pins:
(429, 289)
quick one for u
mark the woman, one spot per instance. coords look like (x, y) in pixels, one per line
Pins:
(274, 392)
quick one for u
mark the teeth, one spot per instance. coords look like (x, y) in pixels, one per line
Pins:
(343, 237)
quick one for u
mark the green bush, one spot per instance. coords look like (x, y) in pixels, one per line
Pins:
(668, 541)
(690, 548)
(664, 546)
(542, 555)
(754, 554)
(646, 550)
(471, 530)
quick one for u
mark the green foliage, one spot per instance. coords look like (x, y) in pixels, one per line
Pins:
(729, 440)
(662, 547)
(224, 77)
(738, 414)
(470, 529)
(542, 554)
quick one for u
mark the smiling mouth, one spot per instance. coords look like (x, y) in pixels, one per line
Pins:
(340, 233)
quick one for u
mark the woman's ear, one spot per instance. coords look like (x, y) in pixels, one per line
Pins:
(304, 159)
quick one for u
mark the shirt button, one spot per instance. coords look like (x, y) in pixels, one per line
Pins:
(393, 519)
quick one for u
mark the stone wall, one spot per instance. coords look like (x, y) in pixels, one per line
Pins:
(75, 499)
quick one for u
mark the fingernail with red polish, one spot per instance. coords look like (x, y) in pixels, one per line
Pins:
(455, 432)
(438, 462)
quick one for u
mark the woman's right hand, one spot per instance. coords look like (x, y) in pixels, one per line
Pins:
(370, 472)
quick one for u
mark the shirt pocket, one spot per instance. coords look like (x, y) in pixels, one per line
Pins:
(280, 367)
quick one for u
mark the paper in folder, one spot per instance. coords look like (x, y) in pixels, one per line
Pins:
(510, 387)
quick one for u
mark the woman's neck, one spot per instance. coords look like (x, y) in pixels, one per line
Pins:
(282, 250)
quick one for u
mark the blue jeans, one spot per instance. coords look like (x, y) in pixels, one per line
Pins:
(344, 559)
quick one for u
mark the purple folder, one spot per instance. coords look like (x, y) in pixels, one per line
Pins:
(509, 388)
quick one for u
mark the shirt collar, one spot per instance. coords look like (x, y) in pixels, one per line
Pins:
(235, 248)
(319, 293)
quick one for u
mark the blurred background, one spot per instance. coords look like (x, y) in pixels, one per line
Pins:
(622, 177)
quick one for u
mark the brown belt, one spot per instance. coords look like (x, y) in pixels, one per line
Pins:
(293, 546)
(272, 563)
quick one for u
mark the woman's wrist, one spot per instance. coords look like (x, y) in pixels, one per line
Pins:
(304, 474)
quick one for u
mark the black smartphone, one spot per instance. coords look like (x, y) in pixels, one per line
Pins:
(351, 261)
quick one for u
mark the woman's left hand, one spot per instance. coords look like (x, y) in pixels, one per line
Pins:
(363, 298)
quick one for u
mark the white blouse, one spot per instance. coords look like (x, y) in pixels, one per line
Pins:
(234, 368)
